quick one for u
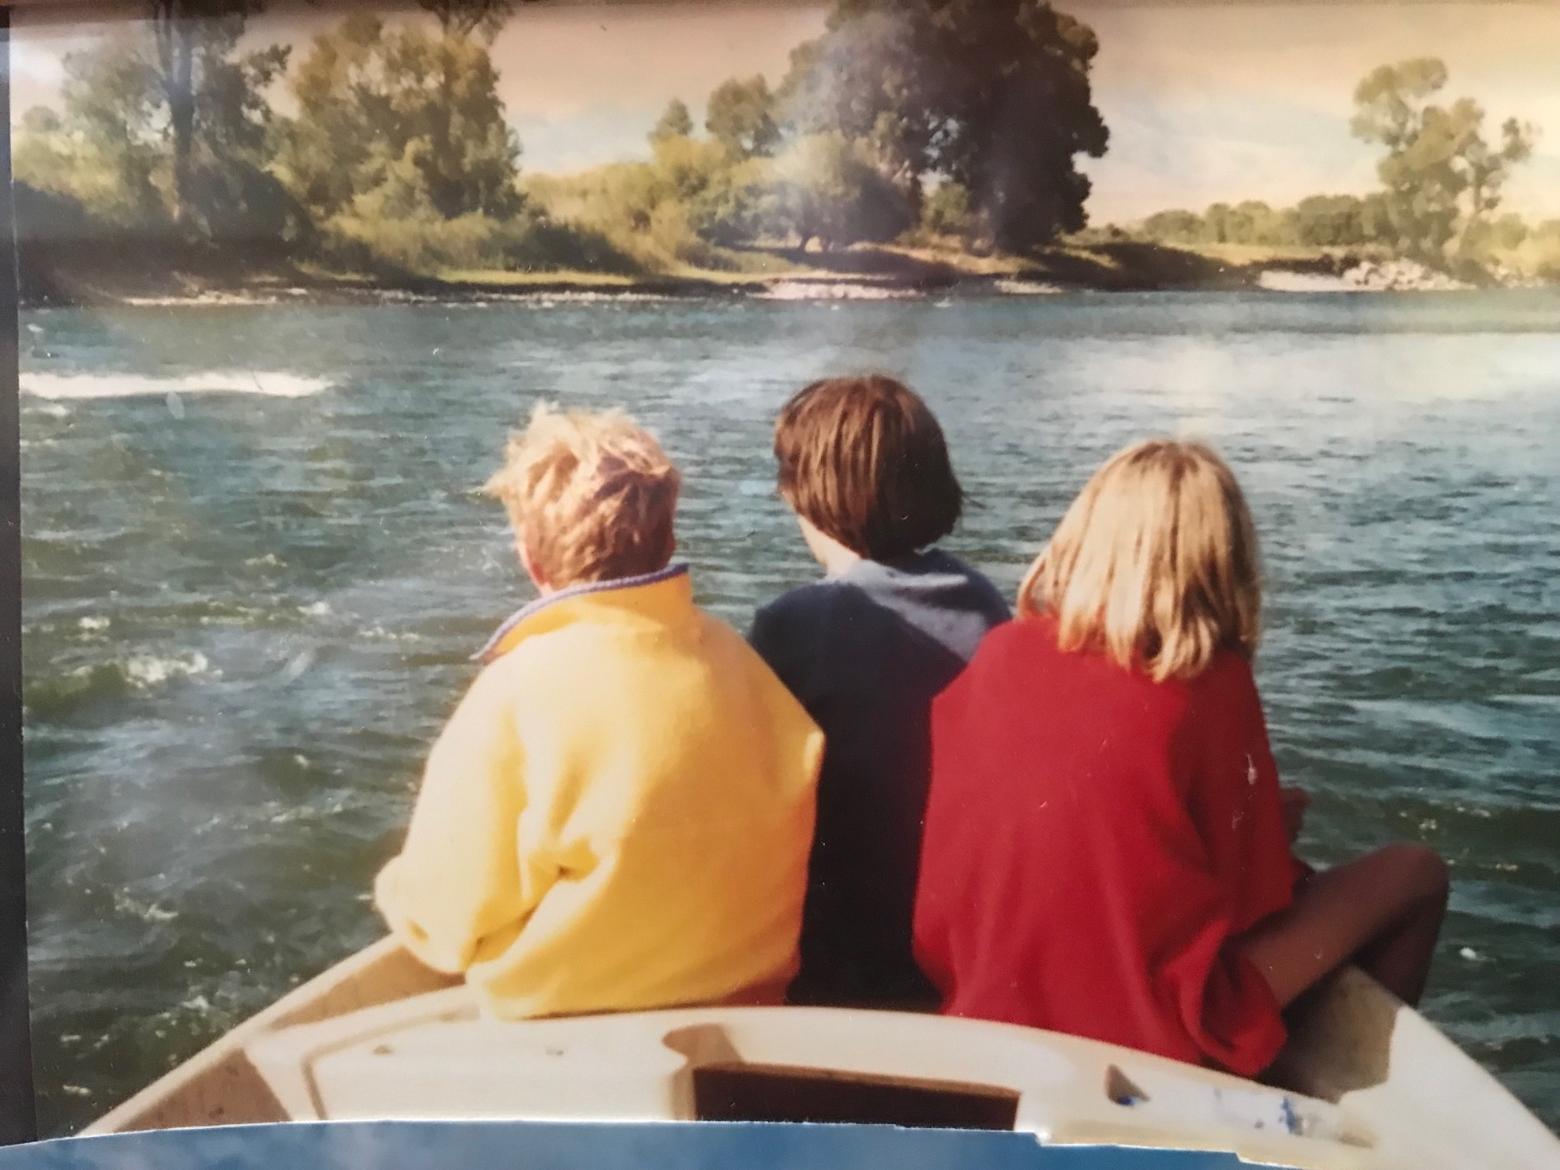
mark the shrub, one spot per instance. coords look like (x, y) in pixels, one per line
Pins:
(1539, 253)
(428, 244)
(828, 190)
(947, 212)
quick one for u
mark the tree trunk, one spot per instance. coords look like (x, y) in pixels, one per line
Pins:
(176, 63)
(1475, 211)
(444, 188)
(181, 106)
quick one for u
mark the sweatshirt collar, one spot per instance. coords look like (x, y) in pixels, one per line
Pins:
(506, 637)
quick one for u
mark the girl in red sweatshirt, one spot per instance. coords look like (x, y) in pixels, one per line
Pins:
(1107, 848)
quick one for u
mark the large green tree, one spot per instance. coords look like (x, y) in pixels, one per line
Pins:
(675, 122)
(167, 112)
(461, 22)
(105, 148)
(741, 117)
(1442, 177)
(465, 18)
(399, 121)
(212, 95)
(993, 94)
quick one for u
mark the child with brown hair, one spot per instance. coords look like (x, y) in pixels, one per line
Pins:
(863, 464)
(618, 813)
(1107, 847)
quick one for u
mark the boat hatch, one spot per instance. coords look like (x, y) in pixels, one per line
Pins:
(737, 1091)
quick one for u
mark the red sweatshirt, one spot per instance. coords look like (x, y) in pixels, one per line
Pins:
(1093, 841)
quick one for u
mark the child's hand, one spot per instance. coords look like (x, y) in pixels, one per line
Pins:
(1292, 802)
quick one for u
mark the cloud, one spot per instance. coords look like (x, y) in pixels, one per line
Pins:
(1206, 149)
(1223, 102)
(562, 62)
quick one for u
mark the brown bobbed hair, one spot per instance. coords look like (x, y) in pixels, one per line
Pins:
(1155, 563)
(863, 460)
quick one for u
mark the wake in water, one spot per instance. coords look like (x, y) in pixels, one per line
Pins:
(270, 383)
(63, 695)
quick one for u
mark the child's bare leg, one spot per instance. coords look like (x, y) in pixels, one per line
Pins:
(1382, 911)
(1400, 960)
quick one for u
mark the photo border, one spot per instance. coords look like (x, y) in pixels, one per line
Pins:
(18, 1122)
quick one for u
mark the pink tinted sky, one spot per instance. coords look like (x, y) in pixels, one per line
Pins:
(1220, 101)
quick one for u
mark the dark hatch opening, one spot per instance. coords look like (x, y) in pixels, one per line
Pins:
(732, 1091)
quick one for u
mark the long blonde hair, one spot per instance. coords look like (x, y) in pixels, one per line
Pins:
(1155, 564)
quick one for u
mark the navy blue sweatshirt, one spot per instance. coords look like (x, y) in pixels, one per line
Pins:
(865, 653)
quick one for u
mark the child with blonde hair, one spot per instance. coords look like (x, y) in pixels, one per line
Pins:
(618, 814)
(1107, 847)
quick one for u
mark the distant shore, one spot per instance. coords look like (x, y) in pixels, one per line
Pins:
(78, 275)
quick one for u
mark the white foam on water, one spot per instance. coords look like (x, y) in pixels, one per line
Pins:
(145, 911)
(1281, 280)
(149, 671)
(817, 290)
(1026, 288)
(93, 623)
(379, 633)
(552, 300)
(269, 383)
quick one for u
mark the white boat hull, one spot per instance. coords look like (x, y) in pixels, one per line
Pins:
(1368, 1083)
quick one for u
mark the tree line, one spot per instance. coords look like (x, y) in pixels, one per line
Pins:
(1442, 178)
(957, 116)
(958, 122)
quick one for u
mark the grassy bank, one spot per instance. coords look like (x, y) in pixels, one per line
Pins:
(127, 271)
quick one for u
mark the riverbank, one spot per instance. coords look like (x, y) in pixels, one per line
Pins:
(97, 273)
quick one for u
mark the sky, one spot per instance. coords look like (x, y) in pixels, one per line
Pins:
(1204, 102)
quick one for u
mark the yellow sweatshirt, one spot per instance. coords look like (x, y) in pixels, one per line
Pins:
(617, 816)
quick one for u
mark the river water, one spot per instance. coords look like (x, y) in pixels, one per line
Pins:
(255, 564)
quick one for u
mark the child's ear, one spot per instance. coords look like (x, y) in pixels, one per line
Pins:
(532, 569)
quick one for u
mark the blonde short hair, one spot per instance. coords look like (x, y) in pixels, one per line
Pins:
(591, 495)
(1155, 564)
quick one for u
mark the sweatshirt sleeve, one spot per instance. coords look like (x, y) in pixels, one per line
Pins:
(1220, 1001)
(1238, 867)
(782, 642)
(1238, 807)
(455, 893)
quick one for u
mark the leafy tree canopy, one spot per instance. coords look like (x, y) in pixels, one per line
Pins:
(741, 117)
(465, 18)
(675, 122)
(401, 121)
(1442, 176)
(167, 120)
(993, 94)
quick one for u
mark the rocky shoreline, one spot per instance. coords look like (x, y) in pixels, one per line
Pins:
(1366, 276)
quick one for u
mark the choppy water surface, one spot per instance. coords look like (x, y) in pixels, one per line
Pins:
(255, 564)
